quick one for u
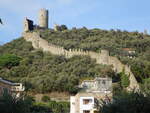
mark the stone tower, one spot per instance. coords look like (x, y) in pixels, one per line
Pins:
(28, 25)
(43, 18)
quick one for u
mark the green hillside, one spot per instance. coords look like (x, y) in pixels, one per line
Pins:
(113, 40)
(43, 72)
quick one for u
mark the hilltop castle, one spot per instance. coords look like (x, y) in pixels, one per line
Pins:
(101, 58)
(42, 20)
(98, 88)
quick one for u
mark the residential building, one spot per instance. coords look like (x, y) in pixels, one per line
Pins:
(11, 87)
(88, 99)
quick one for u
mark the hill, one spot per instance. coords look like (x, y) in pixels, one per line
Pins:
(114, 41)
(44, 72)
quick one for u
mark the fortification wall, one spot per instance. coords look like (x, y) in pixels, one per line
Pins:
(101, 58)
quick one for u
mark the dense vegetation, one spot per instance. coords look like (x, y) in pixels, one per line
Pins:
(130, 102)
(113, 40)
(51, 107)
(11, 104)
(124, 80)
(8, 61)
(26, 104)
(43, 72)
(124, 102)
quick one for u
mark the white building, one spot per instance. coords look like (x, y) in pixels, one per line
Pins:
(11, 87)
(92, 91)
(87, 105)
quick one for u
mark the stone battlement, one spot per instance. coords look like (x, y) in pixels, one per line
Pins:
(101, 58)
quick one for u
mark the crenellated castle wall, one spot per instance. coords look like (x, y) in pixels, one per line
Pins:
(101, 58)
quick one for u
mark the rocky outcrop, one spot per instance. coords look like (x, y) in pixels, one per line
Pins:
(101, 58)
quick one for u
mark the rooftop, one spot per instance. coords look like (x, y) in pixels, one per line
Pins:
(8, 82)
(97, 85)
(128, 49)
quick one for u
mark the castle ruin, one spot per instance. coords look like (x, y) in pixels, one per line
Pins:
(43, 18)
(101, 58)
(43, 21)
(28, 25)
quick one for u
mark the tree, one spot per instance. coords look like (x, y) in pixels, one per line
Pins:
(124, 79)
(40, 108)
(9, 60)
(63, 27)
(145, 87)
(13, 104)
(127, 102)
(45, 98)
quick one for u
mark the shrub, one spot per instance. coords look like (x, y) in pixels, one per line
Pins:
(12, 104)
(130, 102)
(9, 60)
(124, 79)
(45, 98)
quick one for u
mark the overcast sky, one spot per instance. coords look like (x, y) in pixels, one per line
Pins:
(128, 15)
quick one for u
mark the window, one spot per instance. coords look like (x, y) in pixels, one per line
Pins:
(87, 101)
(104, 82)
(86, 111)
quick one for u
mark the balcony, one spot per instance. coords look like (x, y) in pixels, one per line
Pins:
(18, 88)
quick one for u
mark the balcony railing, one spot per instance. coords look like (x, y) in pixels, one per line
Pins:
(17, 88)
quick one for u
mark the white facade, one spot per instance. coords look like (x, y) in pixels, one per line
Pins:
(86, 104)
(18, 87)
(91, 91)
(72, 104)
